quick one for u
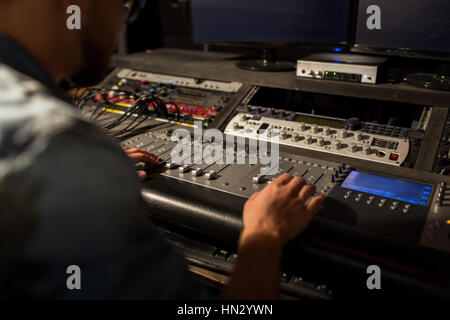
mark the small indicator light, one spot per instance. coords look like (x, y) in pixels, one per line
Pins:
(393, 157)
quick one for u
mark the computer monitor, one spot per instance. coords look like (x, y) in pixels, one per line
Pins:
(269, 23)
(415, 28)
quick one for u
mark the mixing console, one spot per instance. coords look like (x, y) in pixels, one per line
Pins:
(410, 210)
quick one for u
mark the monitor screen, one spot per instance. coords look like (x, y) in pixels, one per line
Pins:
(269, 21)
(390, 188)
(416, 25)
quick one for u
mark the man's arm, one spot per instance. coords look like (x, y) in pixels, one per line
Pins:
(272, 218)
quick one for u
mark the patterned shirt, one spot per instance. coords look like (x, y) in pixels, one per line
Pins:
(70, 196)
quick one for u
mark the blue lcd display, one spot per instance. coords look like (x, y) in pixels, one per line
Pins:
(411, 192)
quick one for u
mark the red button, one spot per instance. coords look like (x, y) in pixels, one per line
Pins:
(393, 157)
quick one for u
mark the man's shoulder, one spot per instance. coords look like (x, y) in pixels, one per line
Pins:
(23, 97)
(30, 117)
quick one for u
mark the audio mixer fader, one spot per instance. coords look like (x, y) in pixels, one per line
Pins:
(410, 210)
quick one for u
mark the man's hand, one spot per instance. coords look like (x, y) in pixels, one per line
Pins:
(272, 218)
(280, 210)
(139, 155)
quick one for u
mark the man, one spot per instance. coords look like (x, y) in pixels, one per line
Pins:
(70, 196)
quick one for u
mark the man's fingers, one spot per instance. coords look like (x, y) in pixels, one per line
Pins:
(295, 185)
(253, 196)
(315, 203)
(307, 192)
(135, 150)
(142, 175)
(283, 179)
(140, 157)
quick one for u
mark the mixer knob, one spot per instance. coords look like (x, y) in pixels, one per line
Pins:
(312, 73)
(320, 142)
(243, 118)
(314, 129)
(343, 134)
(353, 147)
(295, 138)
(337, 144)
(302, 127)
(283, 135)
(308, 139)
(367, 150)
(326, 131)
(236, 126)
(358, 136)
(352, 124)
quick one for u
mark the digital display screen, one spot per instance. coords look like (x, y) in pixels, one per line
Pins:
(292, 21)
(419, 25)
(411, 192)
